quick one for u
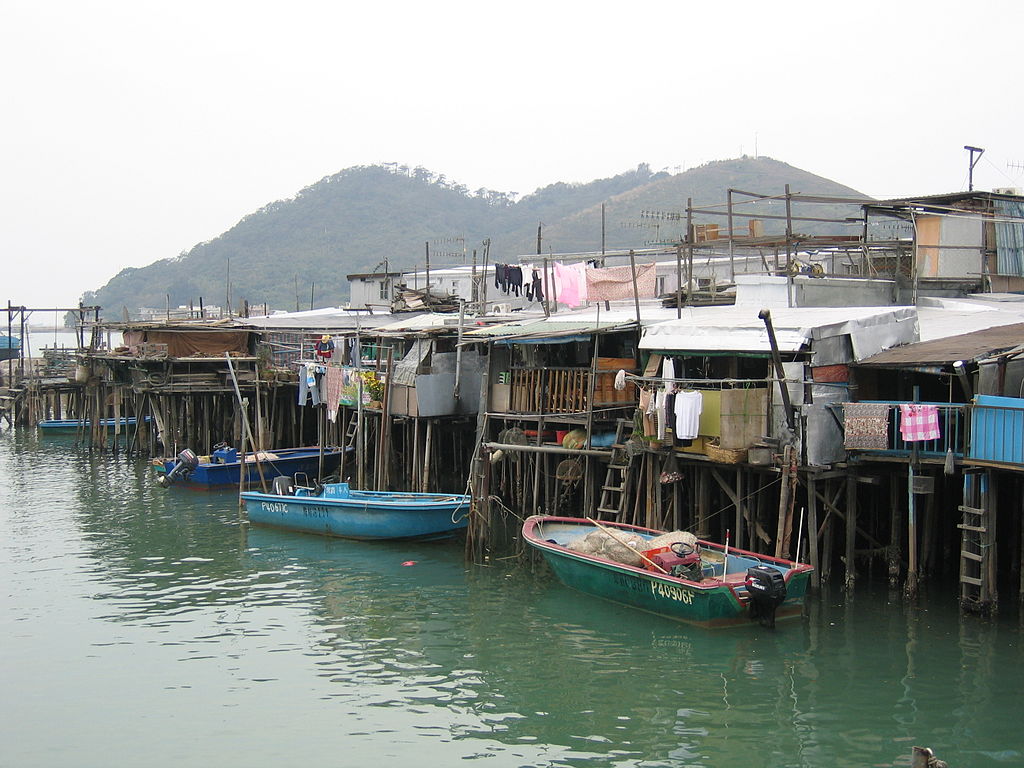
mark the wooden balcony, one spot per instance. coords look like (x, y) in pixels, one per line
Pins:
(567, 390)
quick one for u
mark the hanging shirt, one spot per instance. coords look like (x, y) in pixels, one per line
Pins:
(668, 372)
(688, 409)
(308, 386)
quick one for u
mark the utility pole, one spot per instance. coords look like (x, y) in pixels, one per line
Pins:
(973, 162)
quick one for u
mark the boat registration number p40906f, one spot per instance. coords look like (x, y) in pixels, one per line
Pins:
(672, 592)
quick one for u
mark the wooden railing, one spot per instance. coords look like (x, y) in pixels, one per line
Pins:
(564, 390)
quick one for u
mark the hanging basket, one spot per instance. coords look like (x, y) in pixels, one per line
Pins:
(569, 471)
(725, 455)
(634, 447)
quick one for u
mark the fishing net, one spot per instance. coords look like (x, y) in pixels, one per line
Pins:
(624, 547)
(621, 548)
(668, 539)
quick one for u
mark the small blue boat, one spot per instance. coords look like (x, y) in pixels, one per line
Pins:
(335, 509)
(10, 347)
(70, 426)
(222, 468)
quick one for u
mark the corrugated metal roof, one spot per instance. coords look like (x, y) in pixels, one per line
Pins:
(328, 318)
(739, 329)
(544, 327)
(967, 347)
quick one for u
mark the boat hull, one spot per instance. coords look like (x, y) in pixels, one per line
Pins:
(72, 426)
(365, 516)
(711, 603)
(213, 475)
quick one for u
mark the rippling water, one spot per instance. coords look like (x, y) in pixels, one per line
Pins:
(149, 627)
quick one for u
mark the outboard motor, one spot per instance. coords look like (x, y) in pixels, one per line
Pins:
(766, 587)
(187, 462)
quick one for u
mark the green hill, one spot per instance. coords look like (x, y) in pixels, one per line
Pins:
(353, 220)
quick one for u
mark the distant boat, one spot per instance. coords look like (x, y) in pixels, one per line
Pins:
(70, 426)
(335, 509)
(10, 347)
(697, 582)
(222, 468)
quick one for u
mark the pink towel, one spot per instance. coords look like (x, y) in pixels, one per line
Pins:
(919, 422)
(570, 284)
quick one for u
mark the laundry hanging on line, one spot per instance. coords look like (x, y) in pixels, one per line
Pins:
(919, 422)
(613, 283)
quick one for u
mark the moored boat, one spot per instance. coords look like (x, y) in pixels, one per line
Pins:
(692, 580)
(70, 426)
(335, 509)
(223, 467)
(10, 347)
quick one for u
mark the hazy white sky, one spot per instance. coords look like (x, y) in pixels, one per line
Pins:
(130, 131)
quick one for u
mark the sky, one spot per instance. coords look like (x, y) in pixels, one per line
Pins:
(130, 131)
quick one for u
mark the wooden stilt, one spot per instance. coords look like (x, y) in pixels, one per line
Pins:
(850, 575)
(812, 531)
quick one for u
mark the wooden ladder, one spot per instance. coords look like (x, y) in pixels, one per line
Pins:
(616, 485)
(977, 539)
(348, 442)
(351, 430)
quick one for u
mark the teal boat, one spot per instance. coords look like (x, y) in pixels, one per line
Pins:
(335, 509)
(10, 347)
(697, 582)
(71, 426)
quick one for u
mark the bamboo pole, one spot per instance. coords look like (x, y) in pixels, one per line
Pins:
(245, 424)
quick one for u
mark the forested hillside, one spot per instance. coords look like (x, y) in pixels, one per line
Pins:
(353, 220)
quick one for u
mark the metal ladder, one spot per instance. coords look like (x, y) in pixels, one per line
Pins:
(977, 537)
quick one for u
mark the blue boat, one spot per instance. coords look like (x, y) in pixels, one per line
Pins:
(223, 467)
(690, 580)
(71, 426)
(10, 347)
(335, 509)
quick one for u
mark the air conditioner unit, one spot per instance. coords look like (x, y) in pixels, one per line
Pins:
(1007, 191)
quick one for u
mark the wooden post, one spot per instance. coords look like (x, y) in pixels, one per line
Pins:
(812, 530)
(738, 522)
(732, 264)
(851, 530)
(689, 250)
(896, 531)
(785, 491)
(425, 485)
(679, 281)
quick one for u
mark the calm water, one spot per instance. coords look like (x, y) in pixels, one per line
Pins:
(148, 627)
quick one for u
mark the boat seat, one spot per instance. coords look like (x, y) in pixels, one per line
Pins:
(283, 486)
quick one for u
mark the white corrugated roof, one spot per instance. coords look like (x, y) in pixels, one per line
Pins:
(739, 329)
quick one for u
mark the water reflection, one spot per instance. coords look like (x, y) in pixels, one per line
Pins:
(168, 595)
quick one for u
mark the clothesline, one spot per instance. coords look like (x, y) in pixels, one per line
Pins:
(576, 284)
(662, 380)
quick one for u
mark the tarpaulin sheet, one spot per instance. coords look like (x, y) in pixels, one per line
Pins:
(200, 343)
